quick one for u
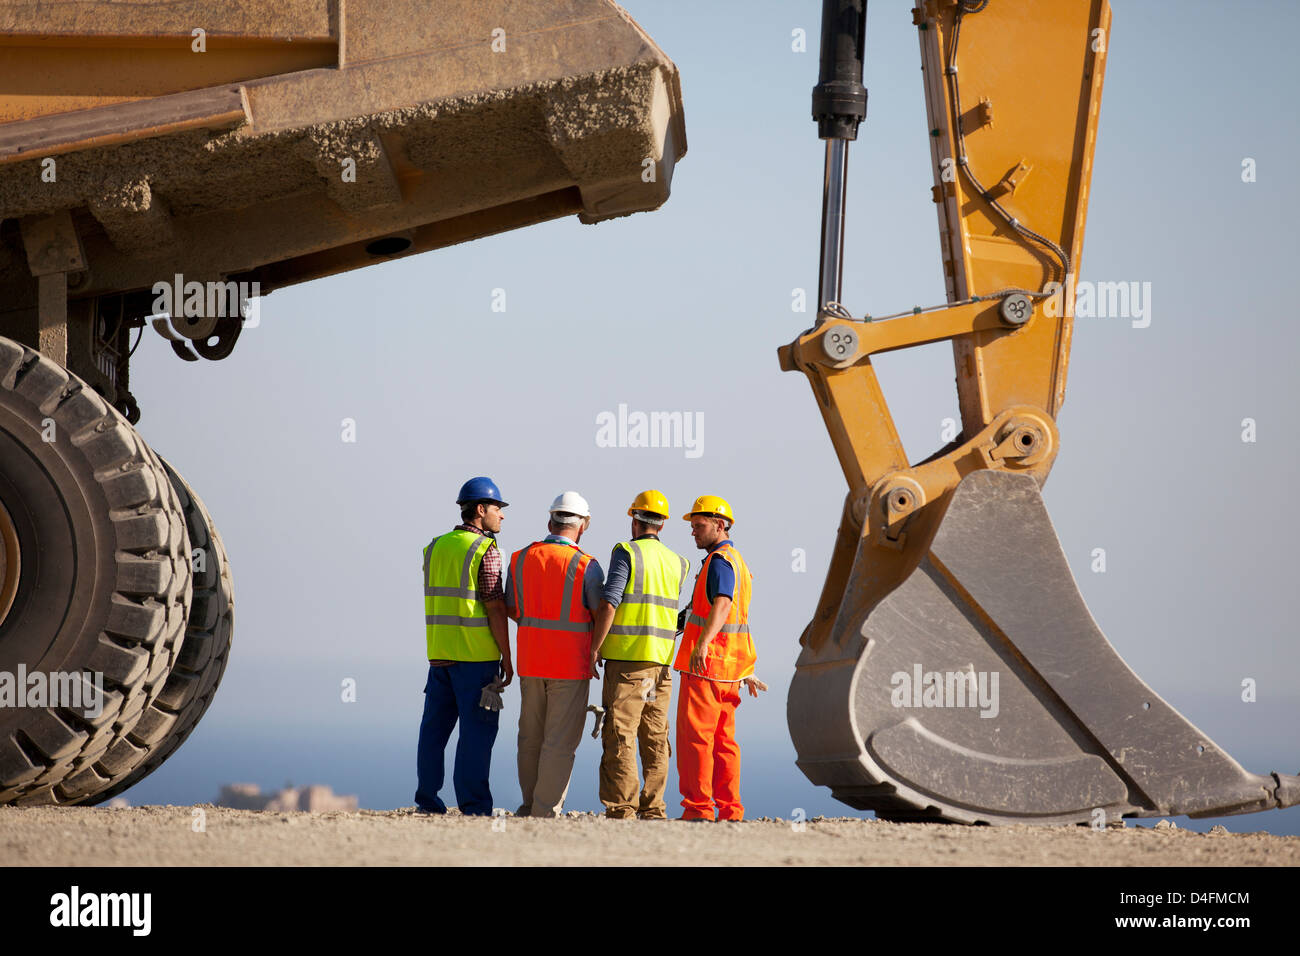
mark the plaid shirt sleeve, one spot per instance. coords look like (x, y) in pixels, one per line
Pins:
(490, 587)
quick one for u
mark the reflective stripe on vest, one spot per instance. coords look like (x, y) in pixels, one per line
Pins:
(731, 654)
(455, 620)
(554, 636)
(645, 623)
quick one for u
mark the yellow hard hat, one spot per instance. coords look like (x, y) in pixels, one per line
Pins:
(710, 505)
(652, 501)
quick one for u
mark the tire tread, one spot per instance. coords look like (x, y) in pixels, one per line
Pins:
(147, 608)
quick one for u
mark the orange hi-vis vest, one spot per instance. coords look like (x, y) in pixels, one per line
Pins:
(731, 655)
(554, 636)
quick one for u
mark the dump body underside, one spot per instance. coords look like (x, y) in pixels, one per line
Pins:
(315, 138)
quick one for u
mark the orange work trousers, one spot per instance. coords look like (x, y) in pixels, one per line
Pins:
(708, 757)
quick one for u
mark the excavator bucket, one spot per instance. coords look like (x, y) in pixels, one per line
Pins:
(985, 693)
(952, 670)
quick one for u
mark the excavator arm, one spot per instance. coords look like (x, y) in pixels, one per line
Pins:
(952, 669)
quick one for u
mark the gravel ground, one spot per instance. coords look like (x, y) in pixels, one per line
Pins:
(214, 836)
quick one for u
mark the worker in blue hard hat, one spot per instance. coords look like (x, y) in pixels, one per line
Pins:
(468, 646)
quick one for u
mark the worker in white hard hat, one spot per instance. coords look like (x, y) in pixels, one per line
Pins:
(552, 589)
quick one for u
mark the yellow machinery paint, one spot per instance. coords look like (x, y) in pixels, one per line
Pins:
(948, 571)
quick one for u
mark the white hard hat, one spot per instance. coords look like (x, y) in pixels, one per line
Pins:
(571, 502)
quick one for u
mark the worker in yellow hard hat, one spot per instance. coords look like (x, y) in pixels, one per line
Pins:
(635, 631)
(716, 656)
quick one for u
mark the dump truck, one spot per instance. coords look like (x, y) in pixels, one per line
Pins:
(162, 167)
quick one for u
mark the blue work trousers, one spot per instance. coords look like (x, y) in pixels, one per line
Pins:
(452, 693)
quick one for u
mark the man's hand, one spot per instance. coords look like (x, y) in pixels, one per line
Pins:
(595, 660)
(699, 656)
(712, 628)
(754, 685)
(507, 671)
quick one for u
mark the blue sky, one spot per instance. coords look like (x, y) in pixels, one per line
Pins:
(683, 310)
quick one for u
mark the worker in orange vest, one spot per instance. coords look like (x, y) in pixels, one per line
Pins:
(715, 657)
(552, 589)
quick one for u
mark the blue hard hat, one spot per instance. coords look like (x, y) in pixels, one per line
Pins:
(479, 489)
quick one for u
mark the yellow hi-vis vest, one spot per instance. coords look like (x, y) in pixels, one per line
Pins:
(645, 623)
(455, 620)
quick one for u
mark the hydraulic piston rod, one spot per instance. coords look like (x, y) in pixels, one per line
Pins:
(839, 104)
(831, 276)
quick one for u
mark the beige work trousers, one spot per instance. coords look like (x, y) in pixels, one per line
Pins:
(550, 728)
(635, 697)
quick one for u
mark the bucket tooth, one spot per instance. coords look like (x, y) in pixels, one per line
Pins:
(1288, 789)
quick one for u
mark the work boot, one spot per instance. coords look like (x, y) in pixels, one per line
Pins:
(620, 814)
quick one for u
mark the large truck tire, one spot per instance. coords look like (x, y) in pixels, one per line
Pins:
(94, 580)
(193, 681)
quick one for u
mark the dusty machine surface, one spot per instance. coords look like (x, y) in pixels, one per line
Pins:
(162, 164)
(952, 670)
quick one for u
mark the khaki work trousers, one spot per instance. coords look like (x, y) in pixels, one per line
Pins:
(550, 727)
(635, 698)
